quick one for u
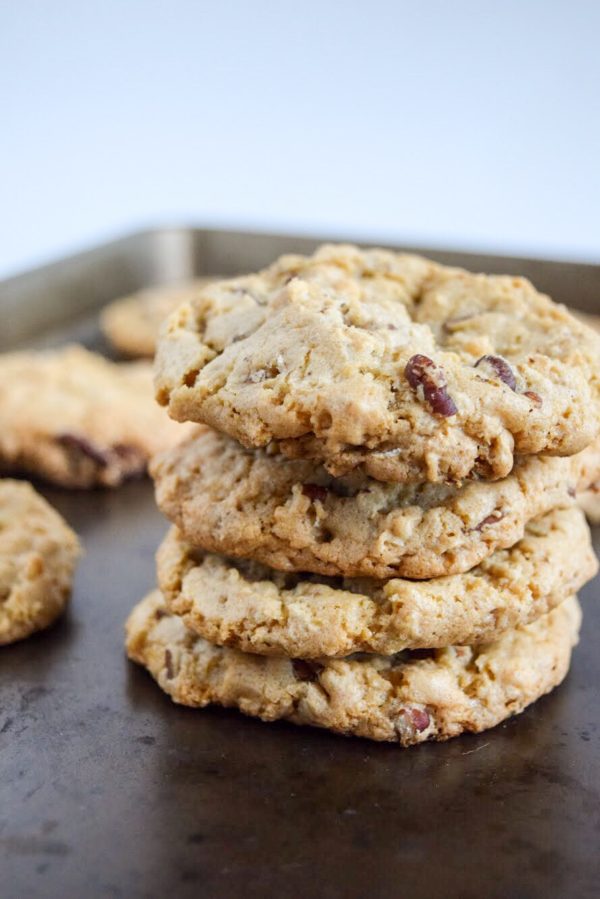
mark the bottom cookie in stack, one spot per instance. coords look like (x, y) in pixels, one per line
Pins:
(397, 660)
(409, 697)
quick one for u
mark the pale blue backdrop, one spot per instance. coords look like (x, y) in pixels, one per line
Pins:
(466, 124)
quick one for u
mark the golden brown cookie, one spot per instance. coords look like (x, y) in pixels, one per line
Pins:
(405, 698)
(294, 516)
(393, 363)
(255, 609)
(74, 418)
(38, 552)
(132, 323)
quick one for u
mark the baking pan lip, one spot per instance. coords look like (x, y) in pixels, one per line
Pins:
(152, 231)
(38, 301)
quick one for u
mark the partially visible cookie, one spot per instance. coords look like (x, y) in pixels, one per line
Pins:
(38, 552)
(406, 698)
(74, 418)
(408, 369)
(255, 609)
(294, 516)
(132, 323)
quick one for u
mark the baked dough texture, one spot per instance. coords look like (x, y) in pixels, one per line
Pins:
(294, 516)
(258, 610)
(589, 501)
(71, 417)
(406, 699)
(38, 552)
(132, 323)
(392, 363)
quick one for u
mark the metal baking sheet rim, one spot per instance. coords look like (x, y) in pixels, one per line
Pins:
(52, 294)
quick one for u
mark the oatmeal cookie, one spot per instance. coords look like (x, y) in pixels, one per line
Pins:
(132, 323)
(407, 698)
(250, 607)
(392, 363)
(294, 516)
(38, 552)
(74, 418)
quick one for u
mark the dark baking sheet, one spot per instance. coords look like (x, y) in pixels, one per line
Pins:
(108, 789)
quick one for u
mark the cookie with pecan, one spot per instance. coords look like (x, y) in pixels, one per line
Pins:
(294, 516)
(391, 363)
(245, 605)
(407, 698)
(74, 418)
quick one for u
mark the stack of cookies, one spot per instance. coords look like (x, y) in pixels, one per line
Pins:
(377, 532)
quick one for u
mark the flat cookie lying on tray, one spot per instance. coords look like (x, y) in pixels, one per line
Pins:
(293, 516)
(409, 369)
(132, 323)
(406, 699)
(255, 609)
(37, 559)
(74, 418)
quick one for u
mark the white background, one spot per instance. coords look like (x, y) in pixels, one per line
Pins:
(466, 124)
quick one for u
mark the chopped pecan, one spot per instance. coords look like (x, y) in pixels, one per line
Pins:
(413, 720)
(492, 518)
(534, 397)
(455, 323)
(315, 491)
(77, 444)
(420, 718)
(428, 381)
(501, 368)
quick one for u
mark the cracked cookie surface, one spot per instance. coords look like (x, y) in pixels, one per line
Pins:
(75, 419)
(294, 516)
(247, 606)
(404, 699)
(38, 552)
(132, 323)
(393, 363)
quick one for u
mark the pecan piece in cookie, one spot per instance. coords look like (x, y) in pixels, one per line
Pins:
(492, 518)
(314, 492)
(410, 723)
(534, 397)
(500, 367)
(419, 718)
(80, 445)
(428, 381)
(169, 664)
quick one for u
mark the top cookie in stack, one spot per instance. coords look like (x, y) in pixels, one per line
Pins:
(395, 452)
(390, 363)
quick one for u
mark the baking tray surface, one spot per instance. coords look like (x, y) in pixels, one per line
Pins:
(109, 789)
